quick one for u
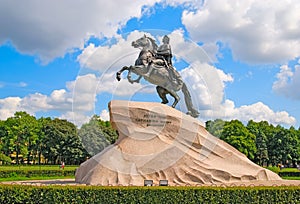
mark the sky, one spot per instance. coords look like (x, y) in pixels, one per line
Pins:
(239, 59)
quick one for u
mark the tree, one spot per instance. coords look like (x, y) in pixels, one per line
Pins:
(285, 146)
(215, 127)
(237, 135)
(3, 148)
(96, 135)
(22, 134)
(39, 145)
(260, 130)
(61, 142)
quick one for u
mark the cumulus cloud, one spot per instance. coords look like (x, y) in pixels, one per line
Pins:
(50, 28)
(77, 101)
(258, 112)
(102, 58)
(77, 118)
(288, 81)
(187, 49)
(74, 102)
(207, 85)
(256, 31)
(104, 115)
(8, 106)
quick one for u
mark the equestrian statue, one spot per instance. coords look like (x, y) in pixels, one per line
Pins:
(155, 65)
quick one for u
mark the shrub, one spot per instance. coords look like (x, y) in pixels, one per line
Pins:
(87, 194)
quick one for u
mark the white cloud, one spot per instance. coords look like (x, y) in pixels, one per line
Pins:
(256, 31)
(77, 118)
(9, 106)
(104, 115)
(207, 86)
(288, 81)
(258, 112)
(207, 83)
(35, 102)
(186, 49)
(50, 28)
(111, 57)
(75, 103)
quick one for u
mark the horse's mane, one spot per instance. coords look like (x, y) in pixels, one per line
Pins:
(155, 46)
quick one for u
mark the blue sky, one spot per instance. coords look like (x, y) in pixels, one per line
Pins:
(58, 58)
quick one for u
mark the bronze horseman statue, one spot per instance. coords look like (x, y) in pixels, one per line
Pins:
(155, 65)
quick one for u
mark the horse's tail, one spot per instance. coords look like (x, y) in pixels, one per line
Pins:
(188, 102)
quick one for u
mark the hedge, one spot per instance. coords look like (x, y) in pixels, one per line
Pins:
(166, 195)
(35, 173)
(289, 174)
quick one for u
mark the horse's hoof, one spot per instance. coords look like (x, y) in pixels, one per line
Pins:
(194, 114)
(165, 102)
(118, 76)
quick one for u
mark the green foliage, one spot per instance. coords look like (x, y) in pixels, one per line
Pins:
(61, 142)
(27, 140)
(4, 159)
(260, 141)
(274, 169)
(284, 146)
(23, 138)
(259, 130)
(215, 127)
(21, 134)
(96, 135)
(236, 134)
(76, 194)
(289, 174)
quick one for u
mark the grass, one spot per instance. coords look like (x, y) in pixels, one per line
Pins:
(290, 178)
(277, 170)
(289, 170)
(21, 178)
(36, 167)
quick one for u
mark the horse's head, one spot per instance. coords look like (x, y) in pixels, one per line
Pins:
(145, 43)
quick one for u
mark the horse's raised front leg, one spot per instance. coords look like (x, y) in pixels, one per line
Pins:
(135, 80)
(118, 75)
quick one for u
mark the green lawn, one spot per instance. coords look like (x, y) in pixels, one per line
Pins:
(36, 167)
(291, 178)
(289, 170)
(18, 168)
(35, 178)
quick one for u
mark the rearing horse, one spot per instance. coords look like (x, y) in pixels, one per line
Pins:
(159, 74)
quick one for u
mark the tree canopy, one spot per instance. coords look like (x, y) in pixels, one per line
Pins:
(26, 139)
(261, 142)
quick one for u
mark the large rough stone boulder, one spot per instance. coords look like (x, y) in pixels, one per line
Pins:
(157, 142)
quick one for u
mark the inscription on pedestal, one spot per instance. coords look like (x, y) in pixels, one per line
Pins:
(152, 120)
